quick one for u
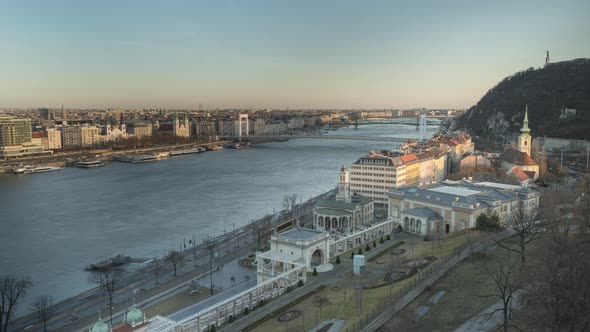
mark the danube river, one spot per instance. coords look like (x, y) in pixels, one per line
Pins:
(54, 224)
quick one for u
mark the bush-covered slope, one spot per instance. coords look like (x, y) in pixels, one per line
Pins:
(546, 91)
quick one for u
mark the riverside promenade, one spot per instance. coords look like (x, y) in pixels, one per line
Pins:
(80, 311)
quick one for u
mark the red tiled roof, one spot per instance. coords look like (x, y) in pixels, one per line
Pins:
(39, 134)
(408, 158)
(520, 174)
(517, 158)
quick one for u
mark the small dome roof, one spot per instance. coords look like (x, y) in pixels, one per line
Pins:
(100, 326)
(134, 316)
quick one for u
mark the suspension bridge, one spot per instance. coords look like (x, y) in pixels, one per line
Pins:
(422, 123)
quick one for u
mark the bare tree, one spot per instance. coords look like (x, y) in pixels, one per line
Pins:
(506, 284)
(262, 230)
(321, 301)
(43, 307)
(11, 290)
(157, 269)
(562, 286)
(582, 211)
(174, 257)
(211, 245)
(527, 229)
(108, 283)
(289, 203)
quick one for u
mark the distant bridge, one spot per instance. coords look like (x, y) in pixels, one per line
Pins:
(408, 121)
(342, 137)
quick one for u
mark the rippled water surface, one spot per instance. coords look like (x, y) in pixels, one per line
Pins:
(54, 224)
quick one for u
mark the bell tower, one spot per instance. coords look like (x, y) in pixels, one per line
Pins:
(343, 185)
(524, 139)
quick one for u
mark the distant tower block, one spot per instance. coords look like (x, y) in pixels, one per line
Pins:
(423, 127)
(547, 58)
(240, 121)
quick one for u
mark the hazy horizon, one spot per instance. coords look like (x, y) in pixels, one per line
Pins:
(271, 54)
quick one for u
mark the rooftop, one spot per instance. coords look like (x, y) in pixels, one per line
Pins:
(464, 194)
(457, 191)
(300, 233)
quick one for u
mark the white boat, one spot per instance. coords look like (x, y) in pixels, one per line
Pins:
(187, 151)
(90, 164)
(216, 148)
(32, 169)
(143, 159)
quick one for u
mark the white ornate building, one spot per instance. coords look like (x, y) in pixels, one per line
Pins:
(455, 205)
(346, 211)
(293, 248)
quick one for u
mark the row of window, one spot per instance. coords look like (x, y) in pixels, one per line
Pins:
(375, 175)
(372, 168)
(372, 180)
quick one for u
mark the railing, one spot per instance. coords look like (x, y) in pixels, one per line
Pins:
(428, 276)
(233, 306)
(385, 226)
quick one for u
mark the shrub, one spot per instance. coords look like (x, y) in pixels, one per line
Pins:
(367, 248)
(231, 318)
(337, 259)
(289, 289)
(261, 303)
(246, 311)
(487, 223)
(427, 237)
(360, 251)
(315, 272)
(374, 244)
(388, 237)
(213, 328)
(381, 241)
(352, 255)
(300, 283)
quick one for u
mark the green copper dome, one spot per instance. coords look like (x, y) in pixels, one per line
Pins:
(134, 316)
(100, 326)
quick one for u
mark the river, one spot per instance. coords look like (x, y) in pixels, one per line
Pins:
(54, 224)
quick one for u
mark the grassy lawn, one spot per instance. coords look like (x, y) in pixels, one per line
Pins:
(349, 301)
(465, 286)
(176, 302)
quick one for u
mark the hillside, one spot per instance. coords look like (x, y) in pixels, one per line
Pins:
(546, 91)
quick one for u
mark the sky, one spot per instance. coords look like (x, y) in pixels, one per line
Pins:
(276, 54)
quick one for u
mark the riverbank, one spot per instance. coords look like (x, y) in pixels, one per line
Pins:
(76, 216)
(78, 311)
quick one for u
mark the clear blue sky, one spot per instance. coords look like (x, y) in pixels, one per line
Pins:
(276, 54)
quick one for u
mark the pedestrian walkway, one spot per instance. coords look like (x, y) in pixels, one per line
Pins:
(261, 313)
(492, 317)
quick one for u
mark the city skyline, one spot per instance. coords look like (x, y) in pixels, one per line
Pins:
(275, 55)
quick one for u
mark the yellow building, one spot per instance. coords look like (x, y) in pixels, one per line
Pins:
(412, 169)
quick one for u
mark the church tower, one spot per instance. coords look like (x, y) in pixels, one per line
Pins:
(524, 140)
(343, 185)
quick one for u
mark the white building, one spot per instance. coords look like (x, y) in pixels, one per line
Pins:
(291, 249)
(454, 206)
(346, 211)
(375, 174)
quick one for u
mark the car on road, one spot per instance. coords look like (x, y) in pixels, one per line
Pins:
(195, 291)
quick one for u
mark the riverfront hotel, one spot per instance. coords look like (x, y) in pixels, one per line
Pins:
(454, 205)
(16, 138)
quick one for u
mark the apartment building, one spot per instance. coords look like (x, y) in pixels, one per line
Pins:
(375, 174)
(80, 136)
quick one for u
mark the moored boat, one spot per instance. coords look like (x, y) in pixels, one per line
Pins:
(90, 164)
(34, 169)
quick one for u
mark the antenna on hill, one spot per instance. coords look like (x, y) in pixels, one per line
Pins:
(547, 58)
